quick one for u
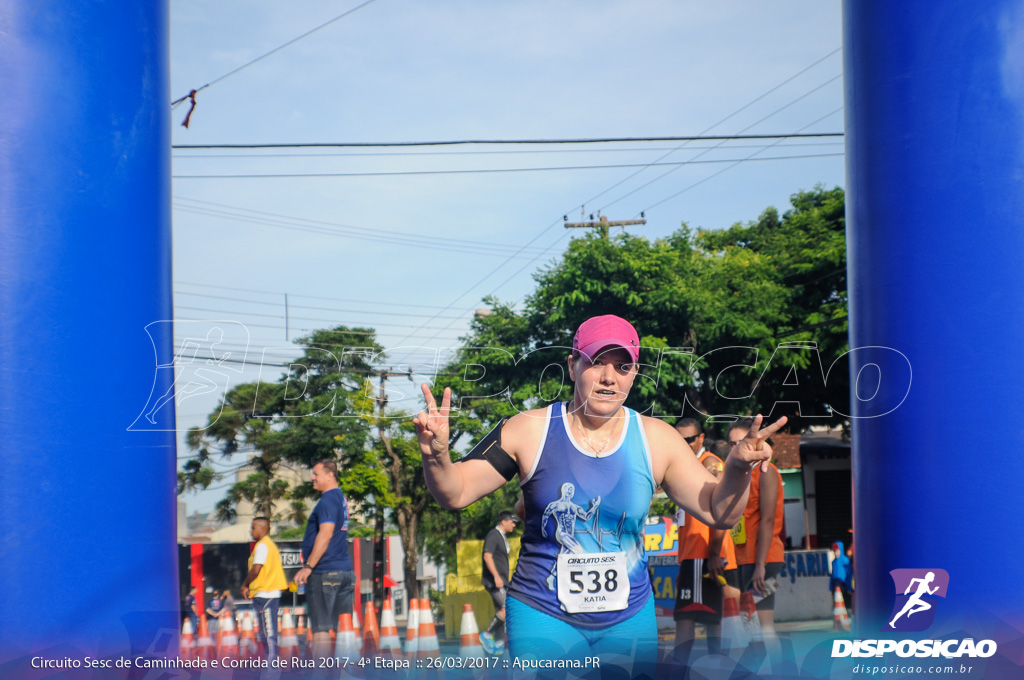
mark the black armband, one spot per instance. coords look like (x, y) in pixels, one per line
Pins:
(489, 449)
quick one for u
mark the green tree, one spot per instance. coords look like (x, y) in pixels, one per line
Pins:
(802, 261)
(322, 407)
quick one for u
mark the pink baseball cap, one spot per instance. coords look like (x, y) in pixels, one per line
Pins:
(599, 332)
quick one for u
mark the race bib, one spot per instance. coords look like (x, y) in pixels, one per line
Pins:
(593, 582)
(739, 532)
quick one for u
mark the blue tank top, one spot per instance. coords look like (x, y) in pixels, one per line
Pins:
(580, 503)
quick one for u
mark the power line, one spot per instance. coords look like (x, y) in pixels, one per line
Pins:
(485, 171)
(514, 274)
(306, 318)
(493, 152)
(262, 213)
(273, 51)
(298, 295)
(281, 328)
(748, 158)
(684, 190)
(232, 299)
(290, 355)
(287, 363)
(319, 309)
(339, 233)
(342, 230)
(714, 125)
(416, 370)
(536, 142)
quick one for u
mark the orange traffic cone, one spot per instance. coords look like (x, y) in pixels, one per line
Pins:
(371, 636)
(346, 644)
(751, 622)
(390, 643)
(733, 634)
(427, 641)
(228, 647)
(204, 650)
(841, 619)
(412, 628)
(188, 643)
(247, 648)
(469, 634)
(289, 644)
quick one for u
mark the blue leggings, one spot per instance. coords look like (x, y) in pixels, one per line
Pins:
(628, 649)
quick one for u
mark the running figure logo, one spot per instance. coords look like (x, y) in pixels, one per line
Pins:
(912, 587)
(565, 514)
(201, 365)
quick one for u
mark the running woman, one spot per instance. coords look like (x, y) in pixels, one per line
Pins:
(588, 469)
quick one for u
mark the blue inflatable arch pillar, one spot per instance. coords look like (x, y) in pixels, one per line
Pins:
(87, 507)
(935, 209)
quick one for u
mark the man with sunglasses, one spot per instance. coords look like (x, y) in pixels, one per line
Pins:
(699, 589)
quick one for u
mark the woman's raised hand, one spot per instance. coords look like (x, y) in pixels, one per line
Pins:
(432, 424)
(754, 448)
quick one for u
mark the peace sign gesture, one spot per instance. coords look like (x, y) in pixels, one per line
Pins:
(753, 448)
(432, 424)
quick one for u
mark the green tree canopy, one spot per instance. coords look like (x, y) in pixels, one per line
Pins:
(720, 315)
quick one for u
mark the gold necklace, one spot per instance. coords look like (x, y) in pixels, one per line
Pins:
(597, 450)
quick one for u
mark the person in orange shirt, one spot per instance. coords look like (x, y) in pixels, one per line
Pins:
(706, 557)
(758, 536)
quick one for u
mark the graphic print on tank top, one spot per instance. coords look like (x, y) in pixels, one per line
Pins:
(582, 558)
(566, 513)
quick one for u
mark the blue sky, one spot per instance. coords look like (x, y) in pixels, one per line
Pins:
(403, 251)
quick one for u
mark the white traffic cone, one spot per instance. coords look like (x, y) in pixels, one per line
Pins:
(751, 622)
(734, 636)
(427, 641)
(347, 645)
(841, 617)
(188, 643)
(390, 644)
(469, 634)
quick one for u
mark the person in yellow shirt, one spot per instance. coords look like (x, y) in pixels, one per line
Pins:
(264, 584)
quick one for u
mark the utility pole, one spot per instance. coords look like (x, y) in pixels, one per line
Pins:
(602, 224)
(379, 551)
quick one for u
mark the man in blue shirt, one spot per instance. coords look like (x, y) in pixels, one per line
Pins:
(191, 611)
(329, 571)
(213, 610)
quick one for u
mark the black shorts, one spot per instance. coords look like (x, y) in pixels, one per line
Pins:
(771, 569)
(497, 597)
(698, 598)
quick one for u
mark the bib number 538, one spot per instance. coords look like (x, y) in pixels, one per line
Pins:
(595, 582)
(609, 585)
